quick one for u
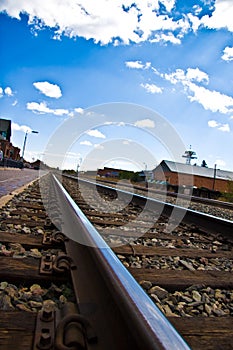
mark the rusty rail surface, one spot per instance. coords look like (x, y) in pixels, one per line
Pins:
(121, 313)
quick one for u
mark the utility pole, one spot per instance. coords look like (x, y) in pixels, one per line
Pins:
(215, 171)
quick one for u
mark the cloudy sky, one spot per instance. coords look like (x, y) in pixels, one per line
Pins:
(174, 57)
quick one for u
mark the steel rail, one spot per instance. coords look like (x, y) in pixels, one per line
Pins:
(150, 327)
(195, 199)
(207, 222)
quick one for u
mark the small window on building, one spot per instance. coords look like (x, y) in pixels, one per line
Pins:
(3, 134)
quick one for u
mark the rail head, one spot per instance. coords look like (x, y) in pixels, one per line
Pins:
(151, 326)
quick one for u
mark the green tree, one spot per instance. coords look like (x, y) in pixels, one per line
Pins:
(204, 164)
(228, 196)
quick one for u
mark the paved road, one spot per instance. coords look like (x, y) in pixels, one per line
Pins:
(11, 179)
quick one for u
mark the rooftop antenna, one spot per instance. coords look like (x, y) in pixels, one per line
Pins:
(189, 155)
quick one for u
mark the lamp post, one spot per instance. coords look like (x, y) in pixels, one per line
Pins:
(78, 165)
(145, 171)
(25, 140)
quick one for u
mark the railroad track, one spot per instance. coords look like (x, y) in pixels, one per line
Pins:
(171, 196)
(60, 292)
(31, 250)
(186, 272)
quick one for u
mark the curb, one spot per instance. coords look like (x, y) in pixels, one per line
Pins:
(5, 199)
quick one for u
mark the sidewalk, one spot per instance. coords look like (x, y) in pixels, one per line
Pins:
(13, 178)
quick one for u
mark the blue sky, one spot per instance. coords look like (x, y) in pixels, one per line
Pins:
(173, 57)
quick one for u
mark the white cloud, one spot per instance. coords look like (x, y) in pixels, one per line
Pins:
(195, 74)
(86, 143)
(210, 99)
(79, 110)
(17, 127)
(8, 91)
(42, 108)
(224, 128)
(119, 21)
(137, 65)
(134, 64)
(98, 146)
(145, 123)
(59, 111)
(176, 77)
(192, 74)
(96, 133)
(103, 21)
(15, 103)
(195, 22)
(115, 123)
(219, 126)
(120, 124)
(221, 17)
(48, 89)
(152, 23)
(152, 88)
(38, 107)
(227, 54)
(212, 123)
(165, 38)
(197, 9)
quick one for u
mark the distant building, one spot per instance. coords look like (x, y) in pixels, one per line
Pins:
(37, 164)
(175, 173)
(109, 172)
(9, 151)
(5, 129)
(137, 176)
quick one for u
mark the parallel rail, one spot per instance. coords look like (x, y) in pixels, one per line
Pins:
(191, 198)
(207, 222)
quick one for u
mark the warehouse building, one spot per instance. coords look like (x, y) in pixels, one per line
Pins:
(177, 174)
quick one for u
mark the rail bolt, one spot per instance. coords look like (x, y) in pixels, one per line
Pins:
(45, 342)
(47, 314)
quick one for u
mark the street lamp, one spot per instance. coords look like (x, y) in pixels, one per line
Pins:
(25, 140)
(79, 164)
(145, 171)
